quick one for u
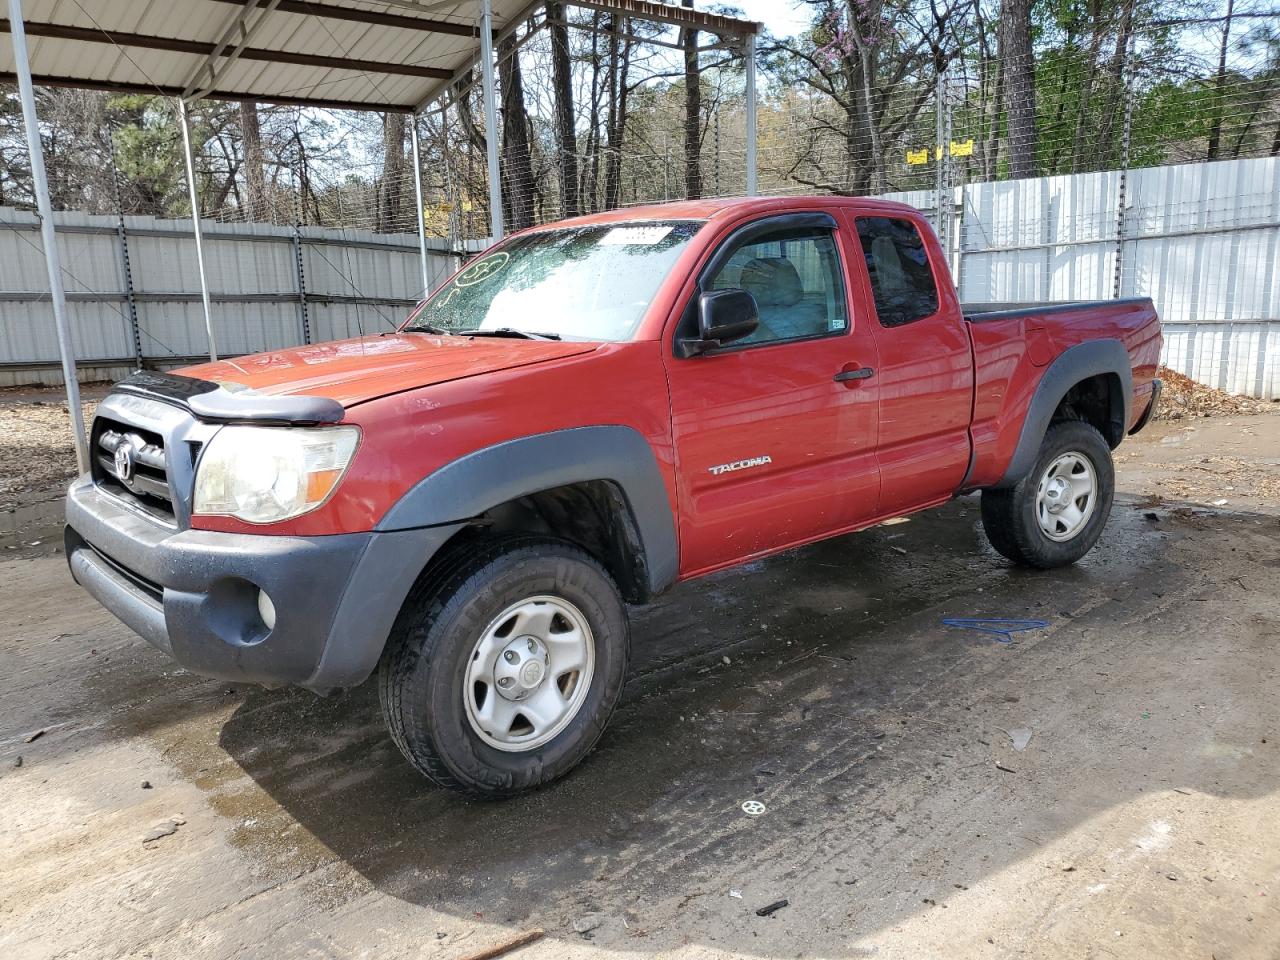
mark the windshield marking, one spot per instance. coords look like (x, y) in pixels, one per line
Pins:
(482, 270)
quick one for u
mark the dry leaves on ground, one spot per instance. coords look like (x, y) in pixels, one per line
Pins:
(1183, 397)
(36, 452)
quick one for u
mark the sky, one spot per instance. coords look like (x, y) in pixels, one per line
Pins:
(782, 17)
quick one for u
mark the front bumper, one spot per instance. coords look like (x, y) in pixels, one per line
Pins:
(194, 593)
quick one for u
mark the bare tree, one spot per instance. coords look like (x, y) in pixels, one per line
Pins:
(562, 92)
(616, 124)
(692, 112)
(517, 194)
(1019, 85)
(1220, 83)
(254, 173)
(393, 166)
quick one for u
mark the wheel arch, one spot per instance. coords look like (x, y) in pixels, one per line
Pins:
(599, 487)
(1091, 381)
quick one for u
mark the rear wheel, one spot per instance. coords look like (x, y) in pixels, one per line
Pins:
(1054, 515)
(501, 675)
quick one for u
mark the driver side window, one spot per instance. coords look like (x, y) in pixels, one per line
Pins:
(796, 279)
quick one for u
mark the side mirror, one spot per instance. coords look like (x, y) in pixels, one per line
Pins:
(723, 316)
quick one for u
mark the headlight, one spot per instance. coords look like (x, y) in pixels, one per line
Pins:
(266, 474)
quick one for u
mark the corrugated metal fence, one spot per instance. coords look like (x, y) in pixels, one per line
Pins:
(1202, 240)
(134, 293)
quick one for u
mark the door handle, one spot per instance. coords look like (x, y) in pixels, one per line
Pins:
(862, 373)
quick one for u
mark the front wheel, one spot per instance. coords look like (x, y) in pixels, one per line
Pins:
(1054, 515)
(501, 674)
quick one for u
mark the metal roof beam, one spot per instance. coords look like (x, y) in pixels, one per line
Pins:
(374, 17)
(676, 16)
(240, 25)
(86, 83)
(641, 9)
(199, 47)
(475, 59)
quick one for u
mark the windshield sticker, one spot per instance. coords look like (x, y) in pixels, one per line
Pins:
(624, 236)
(482, 270)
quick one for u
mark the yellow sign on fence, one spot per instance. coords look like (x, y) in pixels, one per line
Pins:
(963, 148)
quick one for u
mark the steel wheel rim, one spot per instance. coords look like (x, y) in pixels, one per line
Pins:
(528, 674)
(1066, 496)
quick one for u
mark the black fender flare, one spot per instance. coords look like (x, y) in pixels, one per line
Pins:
(1073, 365)
(485, 478)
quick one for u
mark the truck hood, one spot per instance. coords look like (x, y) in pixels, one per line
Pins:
(365, 368)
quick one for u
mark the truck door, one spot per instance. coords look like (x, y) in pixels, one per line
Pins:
(775, 434)
(925, 372)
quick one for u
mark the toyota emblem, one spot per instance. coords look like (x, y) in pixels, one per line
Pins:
(124, 461)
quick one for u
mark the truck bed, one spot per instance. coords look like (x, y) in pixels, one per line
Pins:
(1007, 310)
(1015, 344)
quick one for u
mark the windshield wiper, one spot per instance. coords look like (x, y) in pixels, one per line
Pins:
(509, 332)
(428, 329)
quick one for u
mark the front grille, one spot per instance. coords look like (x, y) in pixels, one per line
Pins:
(140, 474)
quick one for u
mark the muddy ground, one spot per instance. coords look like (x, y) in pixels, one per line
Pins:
(1142, 818)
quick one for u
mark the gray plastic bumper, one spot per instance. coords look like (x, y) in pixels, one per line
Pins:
(194, 593)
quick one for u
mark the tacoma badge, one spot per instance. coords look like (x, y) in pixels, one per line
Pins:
(739, 465)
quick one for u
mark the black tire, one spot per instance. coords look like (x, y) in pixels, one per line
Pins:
(421, 677)
(1009, 515)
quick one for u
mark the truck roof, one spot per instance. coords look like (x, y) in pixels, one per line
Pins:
(725, 206)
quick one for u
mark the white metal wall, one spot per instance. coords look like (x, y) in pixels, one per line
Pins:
(1202, 240)
(352, 281)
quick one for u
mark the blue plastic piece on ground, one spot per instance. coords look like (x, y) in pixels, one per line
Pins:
(1003, 630)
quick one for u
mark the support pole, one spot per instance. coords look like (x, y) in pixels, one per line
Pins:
(53, 263)
(126, 271)
(490, 119)
(939, 153)
(195, 223)
(422, 214)
(299, 269)
(752, 187)
(1125, 140)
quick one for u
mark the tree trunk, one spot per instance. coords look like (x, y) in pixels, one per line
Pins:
(692, 112)
(1093, 58)
(619, 67)
(393, 169)
(1103, 134)
(1019, 86)
(517, 166)
(589, 194)
(1220, 85)
(989, 87)
(254, 174)
(867, 71)
(562, 85)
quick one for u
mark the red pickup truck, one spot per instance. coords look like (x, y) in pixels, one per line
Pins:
(582, 416)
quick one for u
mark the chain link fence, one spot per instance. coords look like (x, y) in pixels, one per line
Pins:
(1034, 199)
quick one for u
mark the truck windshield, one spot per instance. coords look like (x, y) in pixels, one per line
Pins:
(575, 283)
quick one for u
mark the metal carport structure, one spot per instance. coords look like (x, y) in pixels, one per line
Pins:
(385, 55)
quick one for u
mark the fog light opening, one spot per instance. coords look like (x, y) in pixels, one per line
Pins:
(266, 610)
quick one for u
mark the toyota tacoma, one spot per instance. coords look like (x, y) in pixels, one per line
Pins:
(582, 416)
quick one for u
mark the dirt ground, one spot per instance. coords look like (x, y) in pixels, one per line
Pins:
(1141, 819)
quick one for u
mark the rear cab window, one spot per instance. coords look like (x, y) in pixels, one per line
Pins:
(902, 280)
